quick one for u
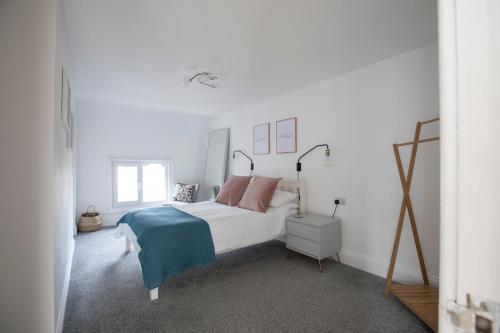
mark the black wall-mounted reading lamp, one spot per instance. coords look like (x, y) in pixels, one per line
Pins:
(299, 165)
(299, 169)
(251, 161)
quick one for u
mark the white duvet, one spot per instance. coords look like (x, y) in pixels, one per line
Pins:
(231, 227)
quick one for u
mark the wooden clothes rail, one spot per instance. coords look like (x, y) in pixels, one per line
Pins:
(421, 299)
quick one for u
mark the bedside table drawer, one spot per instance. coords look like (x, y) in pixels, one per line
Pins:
(303, 231)
(302, 245)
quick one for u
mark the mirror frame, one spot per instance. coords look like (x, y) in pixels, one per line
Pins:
(206, 194)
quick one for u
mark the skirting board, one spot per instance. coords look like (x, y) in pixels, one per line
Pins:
(64, 295)
(379, 267)
(110, 219)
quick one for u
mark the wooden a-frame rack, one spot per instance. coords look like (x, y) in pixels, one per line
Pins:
(421, 299)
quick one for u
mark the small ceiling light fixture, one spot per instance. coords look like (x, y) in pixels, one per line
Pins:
(205, 78)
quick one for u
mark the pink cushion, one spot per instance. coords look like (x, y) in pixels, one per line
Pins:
(259, 193)
(232, 190)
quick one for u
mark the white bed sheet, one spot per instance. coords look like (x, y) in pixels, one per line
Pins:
(231, 227)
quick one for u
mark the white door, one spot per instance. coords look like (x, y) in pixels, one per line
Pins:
(469, 38)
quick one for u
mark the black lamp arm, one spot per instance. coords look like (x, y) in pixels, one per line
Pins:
(299, 165)
(251, 161)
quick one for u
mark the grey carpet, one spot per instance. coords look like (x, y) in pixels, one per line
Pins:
(250, 290)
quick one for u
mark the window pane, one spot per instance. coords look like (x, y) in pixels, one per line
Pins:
(153, 182)
(127, 188)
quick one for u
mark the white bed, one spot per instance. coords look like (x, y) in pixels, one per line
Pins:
(233, 228)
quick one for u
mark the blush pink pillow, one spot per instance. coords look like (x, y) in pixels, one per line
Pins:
(232, 190)
(259, 193)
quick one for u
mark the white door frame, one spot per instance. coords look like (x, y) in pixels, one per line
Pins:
(469, 61)
(449, 161)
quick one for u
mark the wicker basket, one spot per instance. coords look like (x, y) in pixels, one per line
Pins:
(90, 221)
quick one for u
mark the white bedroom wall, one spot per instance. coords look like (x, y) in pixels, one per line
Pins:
(107, 130)
(64, 185)
(28, 39)
(360, 115)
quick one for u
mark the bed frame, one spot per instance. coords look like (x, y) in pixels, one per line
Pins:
(288, 185)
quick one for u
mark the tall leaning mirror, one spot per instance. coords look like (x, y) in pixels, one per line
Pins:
(215, 165)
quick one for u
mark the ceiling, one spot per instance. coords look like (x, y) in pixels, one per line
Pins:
(142, 52)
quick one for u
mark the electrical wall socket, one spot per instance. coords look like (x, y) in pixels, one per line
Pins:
(342, 201)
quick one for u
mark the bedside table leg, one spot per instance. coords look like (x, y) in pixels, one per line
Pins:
(338, 258)
(320, 268)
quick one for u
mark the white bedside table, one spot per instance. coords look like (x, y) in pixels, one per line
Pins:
(314, 235)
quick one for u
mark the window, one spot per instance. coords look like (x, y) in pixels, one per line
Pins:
(139, 182)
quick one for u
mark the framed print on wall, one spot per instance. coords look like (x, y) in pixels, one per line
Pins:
(65, 101)
(261, 143)
(286, 136)
(70, 135)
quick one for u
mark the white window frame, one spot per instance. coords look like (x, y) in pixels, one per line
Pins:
(140, 163)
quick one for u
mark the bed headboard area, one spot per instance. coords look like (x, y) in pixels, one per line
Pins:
(294, 186)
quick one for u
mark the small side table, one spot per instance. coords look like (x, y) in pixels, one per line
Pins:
(313, 235)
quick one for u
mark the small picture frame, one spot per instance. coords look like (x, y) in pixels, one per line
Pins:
(65, 101)
(261, 142)
(70, 135)
(286, 136)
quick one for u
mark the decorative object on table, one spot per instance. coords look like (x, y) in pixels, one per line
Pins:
(261, 144)
(90, 220)
(296, 187)
(251, 161)
(420, 299)
(299, 166)
(286, 136)
(314, 235)
(186, 192)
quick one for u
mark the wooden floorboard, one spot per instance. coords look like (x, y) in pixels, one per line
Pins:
(420, 299)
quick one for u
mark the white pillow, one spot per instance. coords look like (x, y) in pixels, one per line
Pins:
(281, 198)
